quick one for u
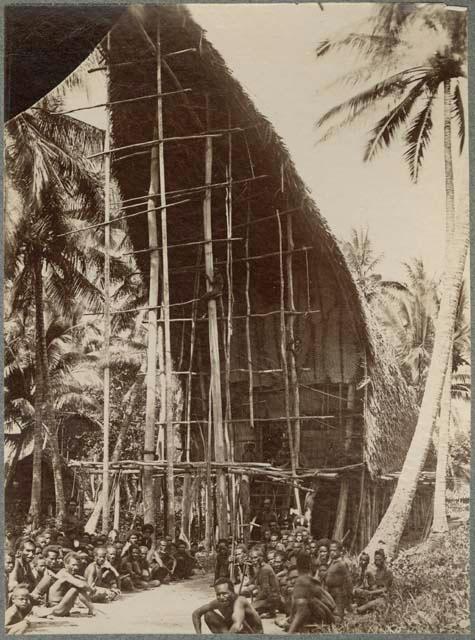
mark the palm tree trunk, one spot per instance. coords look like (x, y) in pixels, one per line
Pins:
(392, 525)
(35, 502)
(130, 401)
(439, 523)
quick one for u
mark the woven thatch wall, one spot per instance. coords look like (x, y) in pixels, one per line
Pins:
(338, 340)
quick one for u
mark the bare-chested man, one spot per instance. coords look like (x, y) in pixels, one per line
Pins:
(94, 577)
(69, 586)
(311, 603)
(379, 581)
(338, 580)
(228, 613)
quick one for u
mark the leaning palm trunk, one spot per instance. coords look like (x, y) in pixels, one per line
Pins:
(129, 401)
(439, 523)
(392, 525)
(35, 503)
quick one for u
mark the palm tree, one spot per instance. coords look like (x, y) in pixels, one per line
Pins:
(407, 315)
(411, 95)
(71, 377)
(56, 187)
(362, 260)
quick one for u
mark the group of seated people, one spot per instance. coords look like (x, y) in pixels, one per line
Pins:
(48, 574)
(289, 572)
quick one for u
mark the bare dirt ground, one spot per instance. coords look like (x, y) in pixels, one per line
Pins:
(166, 609)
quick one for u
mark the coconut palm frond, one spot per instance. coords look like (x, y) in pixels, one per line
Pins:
(381, 90)
(418, 135)
(459, 114)
(364, 43)
(385, 130)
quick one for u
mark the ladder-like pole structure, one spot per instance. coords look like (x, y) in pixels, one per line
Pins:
(170, 436)
(106, 320)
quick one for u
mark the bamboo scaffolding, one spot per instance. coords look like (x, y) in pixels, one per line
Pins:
(114, 220)
(117, 102)
(291, 329)
(248, 327)
(155, 142)
(283, 350)
(190, 319)
(287, 212)
(265, 467)
(261, 256)
(213, 185)
(106, 322)
(184, 244)
(141, 61)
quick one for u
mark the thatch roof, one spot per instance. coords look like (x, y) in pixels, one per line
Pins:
(257, 150)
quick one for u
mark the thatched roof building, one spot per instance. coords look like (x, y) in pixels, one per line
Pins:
(300, 345)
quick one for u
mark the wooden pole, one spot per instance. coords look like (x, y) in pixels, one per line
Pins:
(170, 435)
(209, 488)
(117, 503)
(283, 353)
(192, 351)
(248, 324)
(221, 493)
(293, 343)
(229, 426)
(342, 507)
(106, 319)
(151, 374)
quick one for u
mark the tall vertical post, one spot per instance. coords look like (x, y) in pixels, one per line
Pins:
(107, 319)
(285, 368)
(117, 503)
(170, 436)
(248, 322)
(293, 343)
(215, 382)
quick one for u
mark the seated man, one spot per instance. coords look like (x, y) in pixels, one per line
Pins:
(147, 571)
(268, 598)
(15, 616)
(379, 581)
(361, 584)
(69, 586)
(310, 604)
(162, 563)
(49, 577)
(338, 580)
(228, 613)
(132, 567)
(22, 571)
(93, 576)
(280, 570)
(184, 561)
(113, 577)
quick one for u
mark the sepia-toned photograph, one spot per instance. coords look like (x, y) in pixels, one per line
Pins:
(237, 370)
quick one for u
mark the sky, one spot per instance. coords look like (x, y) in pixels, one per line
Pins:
(271, 51)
